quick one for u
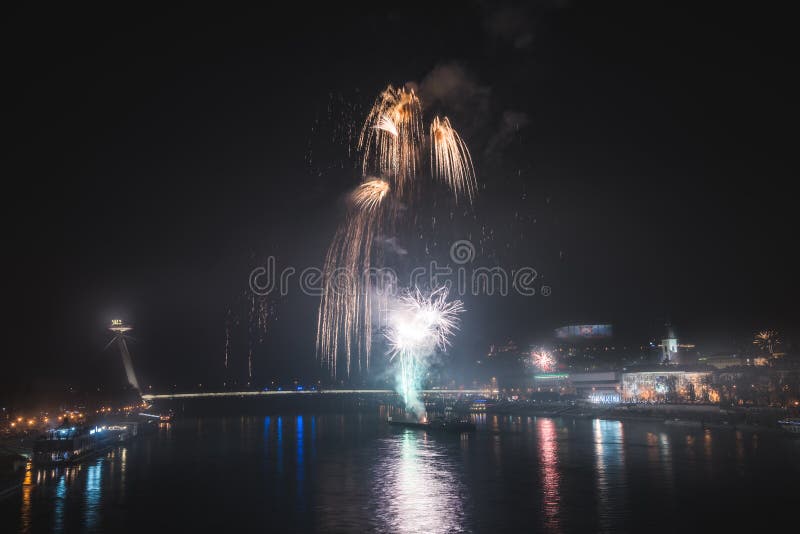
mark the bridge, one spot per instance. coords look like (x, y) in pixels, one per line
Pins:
(212, 394)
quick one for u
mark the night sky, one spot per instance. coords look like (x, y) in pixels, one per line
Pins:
(636, 157)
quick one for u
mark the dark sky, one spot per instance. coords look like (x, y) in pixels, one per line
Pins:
(638, 158)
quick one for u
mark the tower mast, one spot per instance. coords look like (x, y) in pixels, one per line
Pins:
(120, 329)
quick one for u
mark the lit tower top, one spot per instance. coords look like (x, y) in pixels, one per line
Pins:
(670, 346)
(120, 329)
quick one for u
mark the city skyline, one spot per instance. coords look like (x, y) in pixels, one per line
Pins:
(164, 210)
(509, 266)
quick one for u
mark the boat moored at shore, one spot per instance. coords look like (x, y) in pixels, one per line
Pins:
(67, 445)
(442, 424)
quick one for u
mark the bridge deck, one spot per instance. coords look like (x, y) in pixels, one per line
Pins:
(211, 394)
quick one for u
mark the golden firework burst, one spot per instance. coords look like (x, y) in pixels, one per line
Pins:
(450, 159)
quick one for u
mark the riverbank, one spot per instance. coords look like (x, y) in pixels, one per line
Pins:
(12, 473)
(689, 415)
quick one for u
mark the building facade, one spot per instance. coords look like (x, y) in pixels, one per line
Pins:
(672, 386)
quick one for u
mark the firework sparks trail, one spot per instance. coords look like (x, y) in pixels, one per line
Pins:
(390, 142)
(450, 159)
(250, 320)
(391, 137)
(345, 308)
(418, 326)
(544, 360)
(766, 340)
(386, 124)
(227, 345)
(369, 195)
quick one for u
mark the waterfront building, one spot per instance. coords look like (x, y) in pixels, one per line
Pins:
(553, 383)
(585, 331)
(585, 348)
(667, 384)
(724, 361)
(602, 387)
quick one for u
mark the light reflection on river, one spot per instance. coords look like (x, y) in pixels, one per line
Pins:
(550, 474)
(352, 472)
(609, 467)
(418, 486)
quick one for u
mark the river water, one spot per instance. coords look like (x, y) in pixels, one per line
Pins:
(354, 473)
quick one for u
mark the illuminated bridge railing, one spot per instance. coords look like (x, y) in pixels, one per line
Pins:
(212, 394)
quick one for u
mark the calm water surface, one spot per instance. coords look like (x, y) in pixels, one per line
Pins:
(353, 473)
